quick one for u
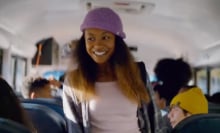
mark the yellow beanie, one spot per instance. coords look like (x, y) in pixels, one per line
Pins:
(192, 100)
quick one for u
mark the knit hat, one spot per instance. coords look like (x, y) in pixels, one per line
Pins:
(192, 100)
(105, 19)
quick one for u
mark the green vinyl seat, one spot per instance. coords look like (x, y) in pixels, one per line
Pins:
(203, 123)
(9, 126)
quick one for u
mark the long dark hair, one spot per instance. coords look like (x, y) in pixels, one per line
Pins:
(121, 62)
(10, 105)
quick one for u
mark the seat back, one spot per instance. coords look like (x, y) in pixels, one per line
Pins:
(204, 123)
(54, 104)
(9, 126)
(214, 108)
(45, 119)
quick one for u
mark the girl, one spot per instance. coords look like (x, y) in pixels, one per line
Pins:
(105, 93)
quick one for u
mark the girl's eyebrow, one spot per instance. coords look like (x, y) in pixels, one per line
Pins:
(90, 34)
(106, 32)
(103, 33)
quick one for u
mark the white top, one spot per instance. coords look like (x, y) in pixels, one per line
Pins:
(111, 111)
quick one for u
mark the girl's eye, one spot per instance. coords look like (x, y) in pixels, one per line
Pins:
(105, 37)
(90, 38)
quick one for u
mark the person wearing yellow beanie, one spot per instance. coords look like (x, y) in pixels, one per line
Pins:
(187, 103)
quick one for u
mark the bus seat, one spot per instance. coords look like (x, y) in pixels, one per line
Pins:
(9, 126)
(214, 108)
(45, 119)
(203, 123)
(51, 103)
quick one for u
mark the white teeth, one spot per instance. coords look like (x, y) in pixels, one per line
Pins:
(99, 53)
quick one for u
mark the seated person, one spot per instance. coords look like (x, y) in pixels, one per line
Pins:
(11, 107)
(189, 102)
(40, 88)
(161, 97)
(37, 88)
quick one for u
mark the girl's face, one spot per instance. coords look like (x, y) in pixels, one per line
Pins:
(100, 44)
(176, 115)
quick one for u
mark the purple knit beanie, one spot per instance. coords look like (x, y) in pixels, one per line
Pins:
(105, 19)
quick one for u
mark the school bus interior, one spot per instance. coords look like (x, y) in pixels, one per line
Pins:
(154, 29)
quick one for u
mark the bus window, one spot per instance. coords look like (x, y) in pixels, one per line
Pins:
(202, 78)
(19, 73)
(1, 58)
(13, 70)
(215, 81)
